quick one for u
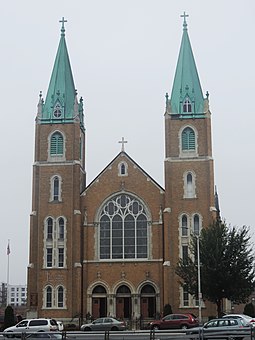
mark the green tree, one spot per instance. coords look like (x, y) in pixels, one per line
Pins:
(9, 319)
(167, 309)
(226, 265)
(249, 309)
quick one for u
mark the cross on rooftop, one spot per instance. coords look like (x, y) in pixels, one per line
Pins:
(184, 16)
(63, 24)
(123, 142)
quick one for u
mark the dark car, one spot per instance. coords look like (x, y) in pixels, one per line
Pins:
(104, 324)
(170, 321)
(223, 328)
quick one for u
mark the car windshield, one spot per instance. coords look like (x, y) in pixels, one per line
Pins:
(22, 323)
(212, 323)
(98, 321)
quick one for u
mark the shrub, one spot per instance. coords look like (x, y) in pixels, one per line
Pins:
(167, 309)
(249, 310)
(9, 319)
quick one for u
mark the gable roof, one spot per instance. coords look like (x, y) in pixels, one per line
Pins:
(123, 153)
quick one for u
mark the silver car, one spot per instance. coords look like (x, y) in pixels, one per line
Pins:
(222, 328)
(246, 318)
(104, 324)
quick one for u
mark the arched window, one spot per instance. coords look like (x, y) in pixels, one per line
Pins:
(61, 228)
(196, 224)
(60, 297)
(55, 242)
(123, 229)
(184, 225)
(48, 297)
(189, 185)
(187, 106)
(99, 290)
(123, 167)
(54, 297)
(148, 289)
(49, 228)
(123, 290)
(56, 188)
(57, 144)
(188, 139)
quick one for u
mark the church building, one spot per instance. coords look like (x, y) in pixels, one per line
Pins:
(110, 247)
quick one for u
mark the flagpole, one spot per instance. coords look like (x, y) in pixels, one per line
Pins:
(8, 272)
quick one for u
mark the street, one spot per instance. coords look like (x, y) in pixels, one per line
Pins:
(139, 335)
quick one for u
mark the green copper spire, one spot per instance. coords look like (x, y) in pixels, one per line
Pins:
(187, 97)
(61, 103)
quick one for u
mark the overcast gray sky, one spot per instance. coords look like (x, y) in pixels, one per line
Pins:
(123, 55)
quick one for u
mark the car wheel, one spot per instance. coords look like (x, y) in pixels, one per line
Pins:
(87, 329)
(9, 335)
(114, 328)
(184, 326)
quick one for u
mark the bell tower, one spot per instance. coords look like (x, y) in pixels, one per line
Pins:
(54, 273)
(189, 174)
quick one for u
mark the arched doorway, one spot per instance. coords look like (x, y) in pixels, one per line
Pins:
(148, 301)
(99, 302)
(123, 302)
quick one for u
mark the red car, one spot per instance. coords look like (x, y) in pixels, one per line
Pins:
(170, 321)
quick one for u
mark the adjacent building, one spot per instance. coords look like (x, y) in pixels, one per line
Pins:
(110, 247)
(13, 295)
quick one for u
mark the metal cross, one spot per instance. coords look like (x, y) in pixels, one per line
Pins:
(63, 24)
(123, 141)
(184, 16)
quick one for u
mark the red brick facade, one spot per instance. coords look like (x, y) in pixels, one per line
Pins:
(110, 247)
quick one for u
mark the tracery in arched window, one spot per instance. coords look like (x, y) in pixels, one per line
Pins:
(123, 228)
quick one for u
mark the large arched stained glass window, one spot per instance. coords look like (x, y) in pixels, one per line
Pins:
(123, 228)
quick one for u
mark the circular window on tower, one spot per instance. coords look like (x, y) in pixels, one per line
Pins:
(57, 112)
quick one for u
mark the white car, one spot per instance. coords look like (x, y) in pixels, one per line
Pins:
(60, 325)
(246, 318)
(32, 325)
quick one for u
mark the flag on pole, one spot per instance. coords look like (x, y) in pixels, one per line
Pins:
(8, 249)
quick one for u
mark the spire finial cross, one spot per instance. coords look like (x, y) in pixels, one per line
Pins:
(184, 16)
(63, 25)
(123, 142)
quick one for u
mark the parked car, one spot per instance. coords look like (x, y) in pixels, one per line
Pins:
(222, 328)
(104, 324)
(32, 325)
(246, 318)
(60, 325)
(175, 321)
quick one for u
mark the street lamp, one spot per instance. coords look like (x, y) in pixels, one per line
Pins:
(199, 282)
